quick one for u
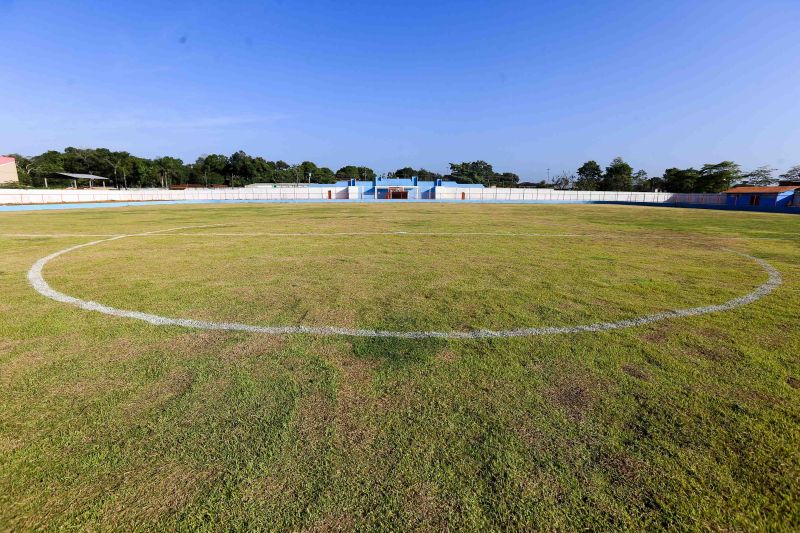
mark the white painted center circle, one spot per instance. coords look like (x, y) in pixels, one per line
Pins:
(38, 282)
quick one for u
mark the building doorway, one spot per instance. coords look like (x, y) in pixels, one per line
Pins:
(397, 193)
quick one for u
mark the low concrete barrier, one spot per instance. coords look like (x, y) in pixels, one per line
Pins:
(63, 196)
(29, 199)
(552, 195)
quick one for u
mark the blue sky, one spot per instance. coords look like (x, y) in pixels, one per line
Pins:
(526, 86)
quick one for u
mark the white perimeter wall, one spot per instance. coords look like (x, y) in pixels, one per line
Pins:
(54, 196)
(550, 195)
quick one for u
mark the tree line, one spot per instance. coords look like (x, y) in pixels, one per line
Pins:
(710, 178)
(127, 170)
(236, 170)
(239, 169)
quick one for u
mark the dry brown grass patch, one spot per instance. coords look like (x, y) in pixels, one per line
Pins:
(195, 342)
(793, 382)
(157, 493)
(332, 522)
(9, 444)
(122, 349)
(314, 414)
(635, 371)
(425, 509)
(623, 467)
(657, 334)
(575, 394)
(717, 354)
(173, 385)
(446, 354)
(7, 345)
(254, 345)
(263, 488)
(353, 396)
(86, 387)
(18, 366)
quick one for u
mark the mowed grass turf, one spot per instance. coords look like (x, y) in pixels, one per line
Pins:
(691, 423)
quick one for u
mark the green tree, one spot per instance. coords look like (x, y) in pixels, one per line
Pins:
(409, 172)
(680, 180)
(366, 174)
(471, 172)
(309, 171)
(617, 177)
(240, 169)
(427, 175)
(760, 177)
(405, 172)
(114, 162)
(143, 173)
(506, 179)
(793, 174)
(324, 175)
(589, 175)
(563, 181)
(170, 170)
(717, 177)
(481, 172)
(642, 183)
(348, 172)
(353, 172)
(46, 164)
(210, 169)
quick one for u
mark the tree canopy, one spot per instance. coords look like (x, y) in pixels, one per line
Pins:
(711, 178)
(761, 176)
(481, 172)
(241, 168)
(127, 170)
(793, 174)
(350, 172)
(589, 175)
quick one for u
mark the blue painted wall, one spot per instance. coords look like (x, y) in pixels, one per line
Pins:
(425, 190)
(783, 199)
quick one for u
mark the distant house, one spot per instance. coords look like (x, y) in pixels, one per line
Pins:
(778, 196)
(8, 170)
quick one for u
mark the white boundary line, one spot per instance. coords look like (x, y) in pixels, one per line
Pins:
(38, 282)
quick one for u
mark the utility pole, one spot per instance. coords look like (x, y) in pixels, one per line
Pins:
(548, 175)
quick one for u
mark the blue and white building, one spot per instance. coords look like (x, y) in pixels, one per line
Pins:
(382, 188)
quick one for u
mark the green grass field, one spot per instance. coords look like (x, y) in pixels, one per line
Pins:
(114, 423)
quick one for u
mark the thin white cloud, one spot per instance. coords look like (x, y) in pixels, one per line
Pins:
(183, 123)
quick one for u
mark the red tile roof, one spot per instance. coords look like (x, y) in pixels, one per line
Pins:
(767, 190)
(4, 160)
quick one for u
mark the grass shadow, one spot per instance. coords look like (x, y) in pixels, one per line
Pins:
(394, 351)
